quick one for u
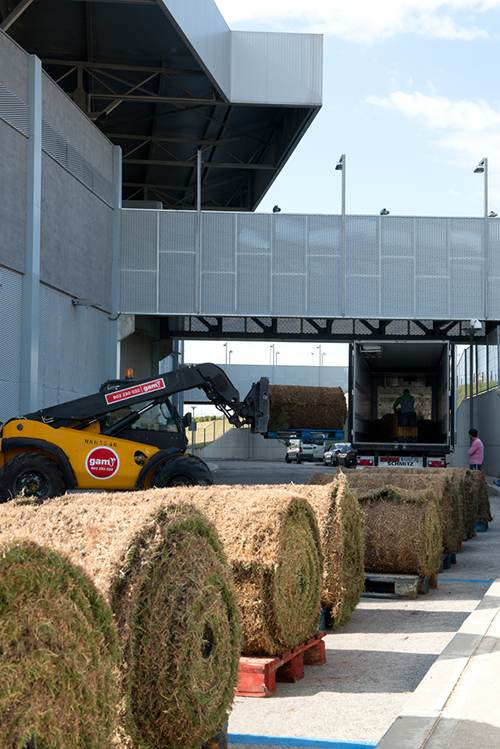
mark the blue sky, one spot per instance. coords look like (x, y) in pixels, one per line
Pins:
(411, 95)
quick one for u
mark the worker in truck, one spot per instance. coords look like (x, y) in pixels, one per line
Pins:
(404, 407)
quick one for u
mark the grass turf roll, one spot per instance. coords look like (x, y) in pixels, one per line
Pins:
(403, 533)
(340, 521)
(271, 538)
(297, 406)
(59, 654)
(444, 484)
(163, 570)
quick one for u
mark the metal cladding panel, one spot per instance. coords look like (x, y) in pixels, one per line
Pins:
(208, 34)
(276, 68)
(363, 296)
(140, 240)
(10, 342)
(289, 294)
(493, 274)
(289, 245)
(397, 237)
(325, 287)
(139, 291)
(177, 232)
(74, 343)
(294, 266)
(254, 285)
(432, 298)
(397, 287)
(177, 283)
(362, 245)
(254, 234)
(218, 242)
(218, 292)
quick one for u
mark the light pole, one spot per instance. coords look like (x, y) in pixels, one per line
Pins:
(276, 358)
(229, 356)
(225, 347)
(271, 353)
(320, 356)
(340, 166)
(482, 168)
(323, 359)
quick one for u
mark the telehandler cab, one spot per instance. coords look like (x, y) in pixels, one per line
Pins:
(127, 436)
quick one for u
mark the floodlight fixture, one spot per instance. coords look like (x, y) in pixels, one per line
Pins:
(384, 212)
(276, 209)
(339, 166)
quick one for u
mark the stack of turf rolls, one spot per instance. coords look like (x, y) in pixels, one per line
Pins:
(271, 538)
(340, 521)
(445, 485)
(161, 569)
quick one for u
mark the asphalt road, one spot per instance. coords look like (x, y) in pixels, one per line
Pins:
(264, 472)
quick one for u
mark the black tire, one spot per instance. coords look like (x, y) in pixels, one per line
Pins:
(186, 470)
(31, 475)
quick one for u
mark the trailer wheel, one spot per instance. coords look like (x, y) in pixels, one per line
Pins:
(186, 470)
(31, 475)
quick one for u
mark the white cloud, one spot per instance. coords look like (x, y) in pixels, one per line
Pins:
(466, 129)
(365, 20)
(439, 112)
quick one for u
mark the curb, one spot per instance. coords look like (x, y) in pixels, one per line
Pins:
(414, 726)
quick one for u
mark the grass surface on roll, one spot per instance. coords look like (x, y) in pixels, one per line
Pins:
(163, 570)
(340, 521)
(59, 654)
(271, 538)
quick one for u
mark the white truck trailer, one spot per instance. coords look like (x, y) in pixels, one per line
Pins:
(379, 373)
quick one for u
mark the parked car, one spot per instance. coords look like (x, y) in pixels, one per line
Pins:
(303, 450)
(340, 454)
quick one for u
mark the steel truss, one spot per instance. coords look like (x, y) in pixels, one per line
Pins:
(326, 330)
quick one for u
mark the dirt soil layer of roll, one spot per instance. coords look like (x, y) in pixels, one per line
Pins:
(59, 654)
(163, 570)
(403, 532)
(271, 538)
(299, 407)
(340, 521)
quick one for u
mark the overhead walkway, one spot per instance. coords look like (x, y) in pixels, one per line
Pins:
(310, 270)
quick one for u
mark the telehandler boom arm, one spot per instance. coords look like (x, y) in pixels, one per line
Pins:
(118, 394)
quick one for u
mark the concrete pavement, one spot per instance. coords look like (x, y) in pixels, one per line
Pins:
(378, 663)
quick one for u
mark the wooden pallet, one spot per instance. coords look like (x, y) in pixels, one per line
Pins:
(447, 561)
(397, 586)
(257, 677)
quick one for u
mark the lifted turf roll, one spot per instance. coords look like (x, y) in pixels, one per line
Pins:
(296, 407)
(162, 568)
(59, 654)
(340, 521)
(271, 538)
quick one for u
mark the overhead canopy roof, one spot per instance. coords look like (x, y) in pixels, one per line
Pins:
(162, 78)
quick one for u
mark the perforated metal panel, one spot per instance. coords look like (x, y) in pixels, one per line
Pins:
(10, 342)
(60, 149)
(74, 344)
(300, 266)
(13, 110)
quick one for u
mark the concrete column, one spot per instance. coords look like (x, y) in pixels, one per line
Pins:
(114, 344)
(30, 341)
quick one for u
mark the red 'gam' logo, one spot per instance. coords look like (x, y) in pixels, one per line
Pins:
(102, 463)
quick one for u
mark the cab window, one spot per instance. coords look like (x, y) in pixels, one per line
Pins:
(159, 418)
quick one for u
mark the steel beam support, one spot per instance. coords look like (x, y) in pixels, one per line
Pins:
(15, 14)
(114, 344)
(30, 339)
(92, 65)
(206, 165)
